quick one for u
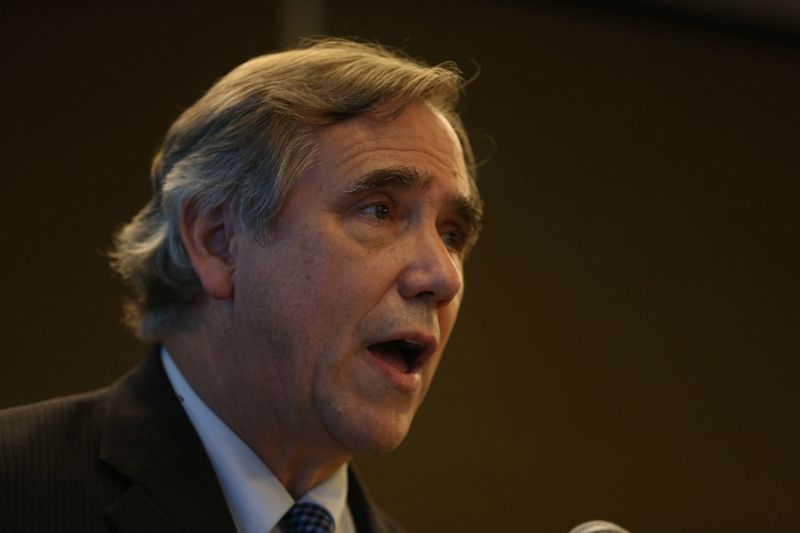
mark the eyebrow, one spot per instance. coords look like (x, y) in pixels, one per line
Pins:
(395, 176)
(468, 207)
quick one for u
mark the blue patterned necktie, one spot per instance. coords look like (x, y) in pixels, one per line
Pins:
(306, 517)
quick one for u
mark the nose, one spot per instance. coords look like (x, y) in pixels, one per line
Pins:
(432, 272)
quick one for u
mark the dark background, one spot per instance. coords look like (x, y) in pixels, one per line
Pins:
(628, 347)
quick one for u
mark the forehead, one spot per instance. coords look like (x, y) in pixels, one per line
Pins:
(420, 138)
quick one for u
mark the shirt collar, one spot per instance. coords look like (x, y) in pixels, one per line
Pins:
(255, 497)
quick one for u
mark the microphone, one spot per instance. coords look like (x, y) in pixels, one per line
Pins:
(598, 526)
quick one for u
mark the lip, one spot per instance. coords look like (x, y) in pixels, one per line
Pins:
(408, 381)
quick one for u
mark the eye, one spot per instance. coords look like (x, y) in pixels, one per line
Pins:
(454, 239)
(377, 209)
(380, 211)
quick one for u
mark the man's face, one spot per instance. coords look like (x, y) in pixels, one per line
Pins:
(340, 317)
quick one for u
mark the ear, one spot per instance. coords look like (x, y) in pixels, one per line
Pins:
(209, 242)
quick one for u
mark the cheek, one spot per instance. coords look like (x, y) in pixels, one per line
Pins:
(448, 315)
(348, 272)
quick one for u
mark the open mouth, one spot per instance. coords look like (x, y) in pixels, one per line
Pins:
(405, 355)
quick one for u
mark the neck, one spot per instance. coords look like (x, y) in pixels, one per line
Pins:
(300, 457)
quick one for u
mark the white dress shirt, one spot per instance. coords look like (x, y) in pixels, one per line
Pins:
(256, 499)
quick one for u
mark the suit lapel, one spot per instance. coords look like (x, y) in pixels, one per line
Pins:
(366, 515)
(148, 439)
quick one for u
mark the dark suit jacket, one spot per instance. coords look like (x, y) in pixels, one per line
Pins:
(124, 459)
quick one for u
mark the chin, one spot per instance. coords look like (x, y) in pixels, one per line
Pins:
(371, 442)
(367, 431)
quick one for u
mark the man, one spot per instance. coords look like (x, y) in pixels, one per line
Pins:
(299, 269)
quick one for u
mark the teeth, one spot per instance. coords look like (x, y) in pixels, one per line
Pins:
(409, 347)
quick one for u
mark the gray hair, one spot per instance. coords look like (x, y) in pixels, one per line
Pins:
(245, 142)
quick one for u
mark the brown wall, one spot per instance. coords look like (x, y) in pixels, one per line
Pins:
(629, 344)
